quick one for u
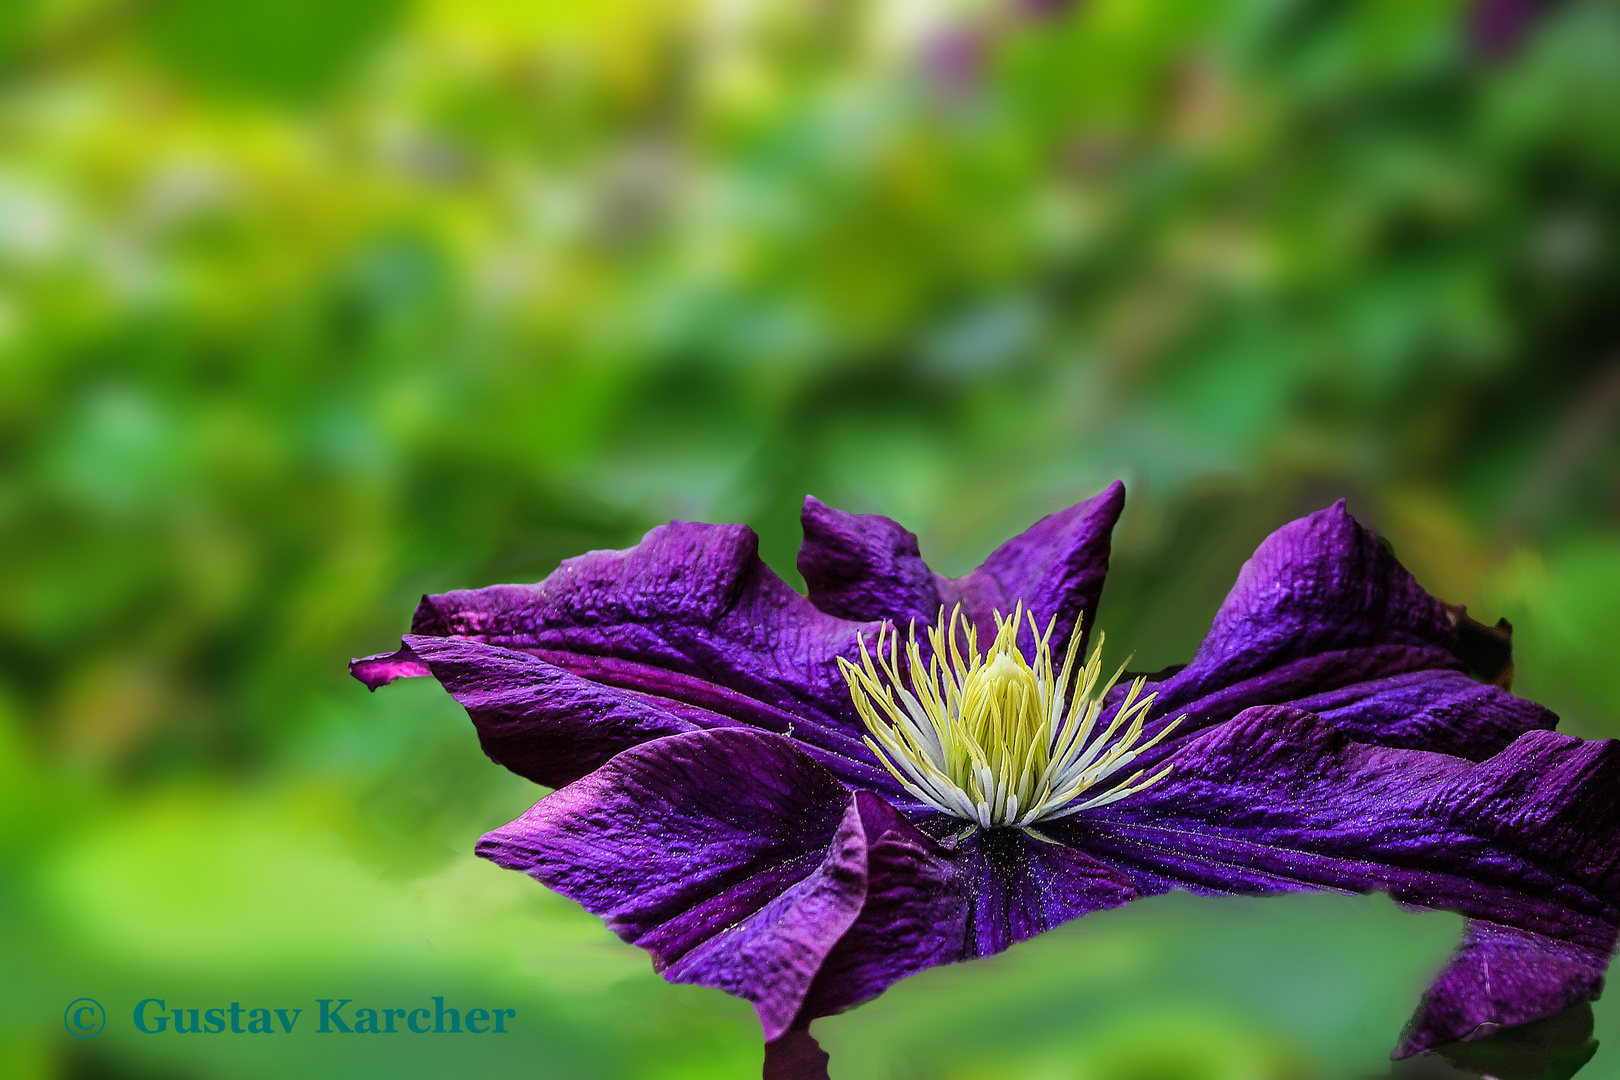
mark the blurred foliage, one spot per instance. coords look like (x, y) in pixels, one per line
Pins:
(1335, 973)
(308, 308)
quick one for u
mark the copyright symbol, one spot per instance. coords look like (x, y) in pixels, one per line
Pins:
(85, 1018)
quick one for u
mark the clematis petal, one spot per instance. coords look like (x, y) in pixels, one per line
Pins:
(866, 567)
(1056, 567)
(795, 1055)
(718, 807)
(1280, 800)
(1501, 975)
(914, 916)
(729, 855)
(1023, 886)
(1324, 614)
(689, 619)
(1316, 585)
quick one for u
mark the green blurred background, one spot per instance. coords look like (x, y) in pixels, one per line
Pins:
(307, 308)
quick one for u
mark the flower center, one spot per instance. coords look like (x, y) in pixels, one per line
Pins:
(992, 737)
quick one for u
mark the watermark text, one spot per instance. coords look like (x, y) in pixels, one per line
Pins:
(327, 1016)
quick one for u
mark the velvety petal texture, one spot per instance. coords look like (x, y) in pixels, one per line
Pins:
(701, 634)
(730, 856)
(384, 668)
(1440, 710)
(689, 621)
(1284, 793)
(1501, 976)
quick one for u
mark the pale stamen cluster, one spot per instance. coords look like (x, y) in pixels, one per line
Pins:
(993, 738)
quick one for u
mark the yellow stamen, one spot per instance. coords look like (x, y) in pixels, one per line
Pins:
(991, 737)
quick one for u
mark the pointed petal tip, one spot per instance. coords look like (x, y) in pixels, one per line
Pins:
(384, 668)
(1108, 502)
(1103, 508)
(818, 517)
(1336, 513)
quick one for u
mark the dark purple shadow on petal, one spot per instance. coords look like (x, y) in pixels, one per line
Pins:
(1554, 1048)
(740, 863)
(1022, 886)
(772, 956)
(915, 915)
(930, 903)
(1318, 585)
(1485, 651)
(1279, 800)
(706, 705)
(1444, 711)
(795, 1055)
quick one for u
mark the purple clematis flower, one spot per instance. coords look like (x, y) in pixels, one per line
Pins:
(803, 799)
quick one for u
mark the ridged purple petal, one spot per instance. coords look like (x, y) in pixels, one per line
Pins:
(929, 905)
(729, 855)
(721, 811)
(1444, 711)
(689, 620)
(864, 567)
